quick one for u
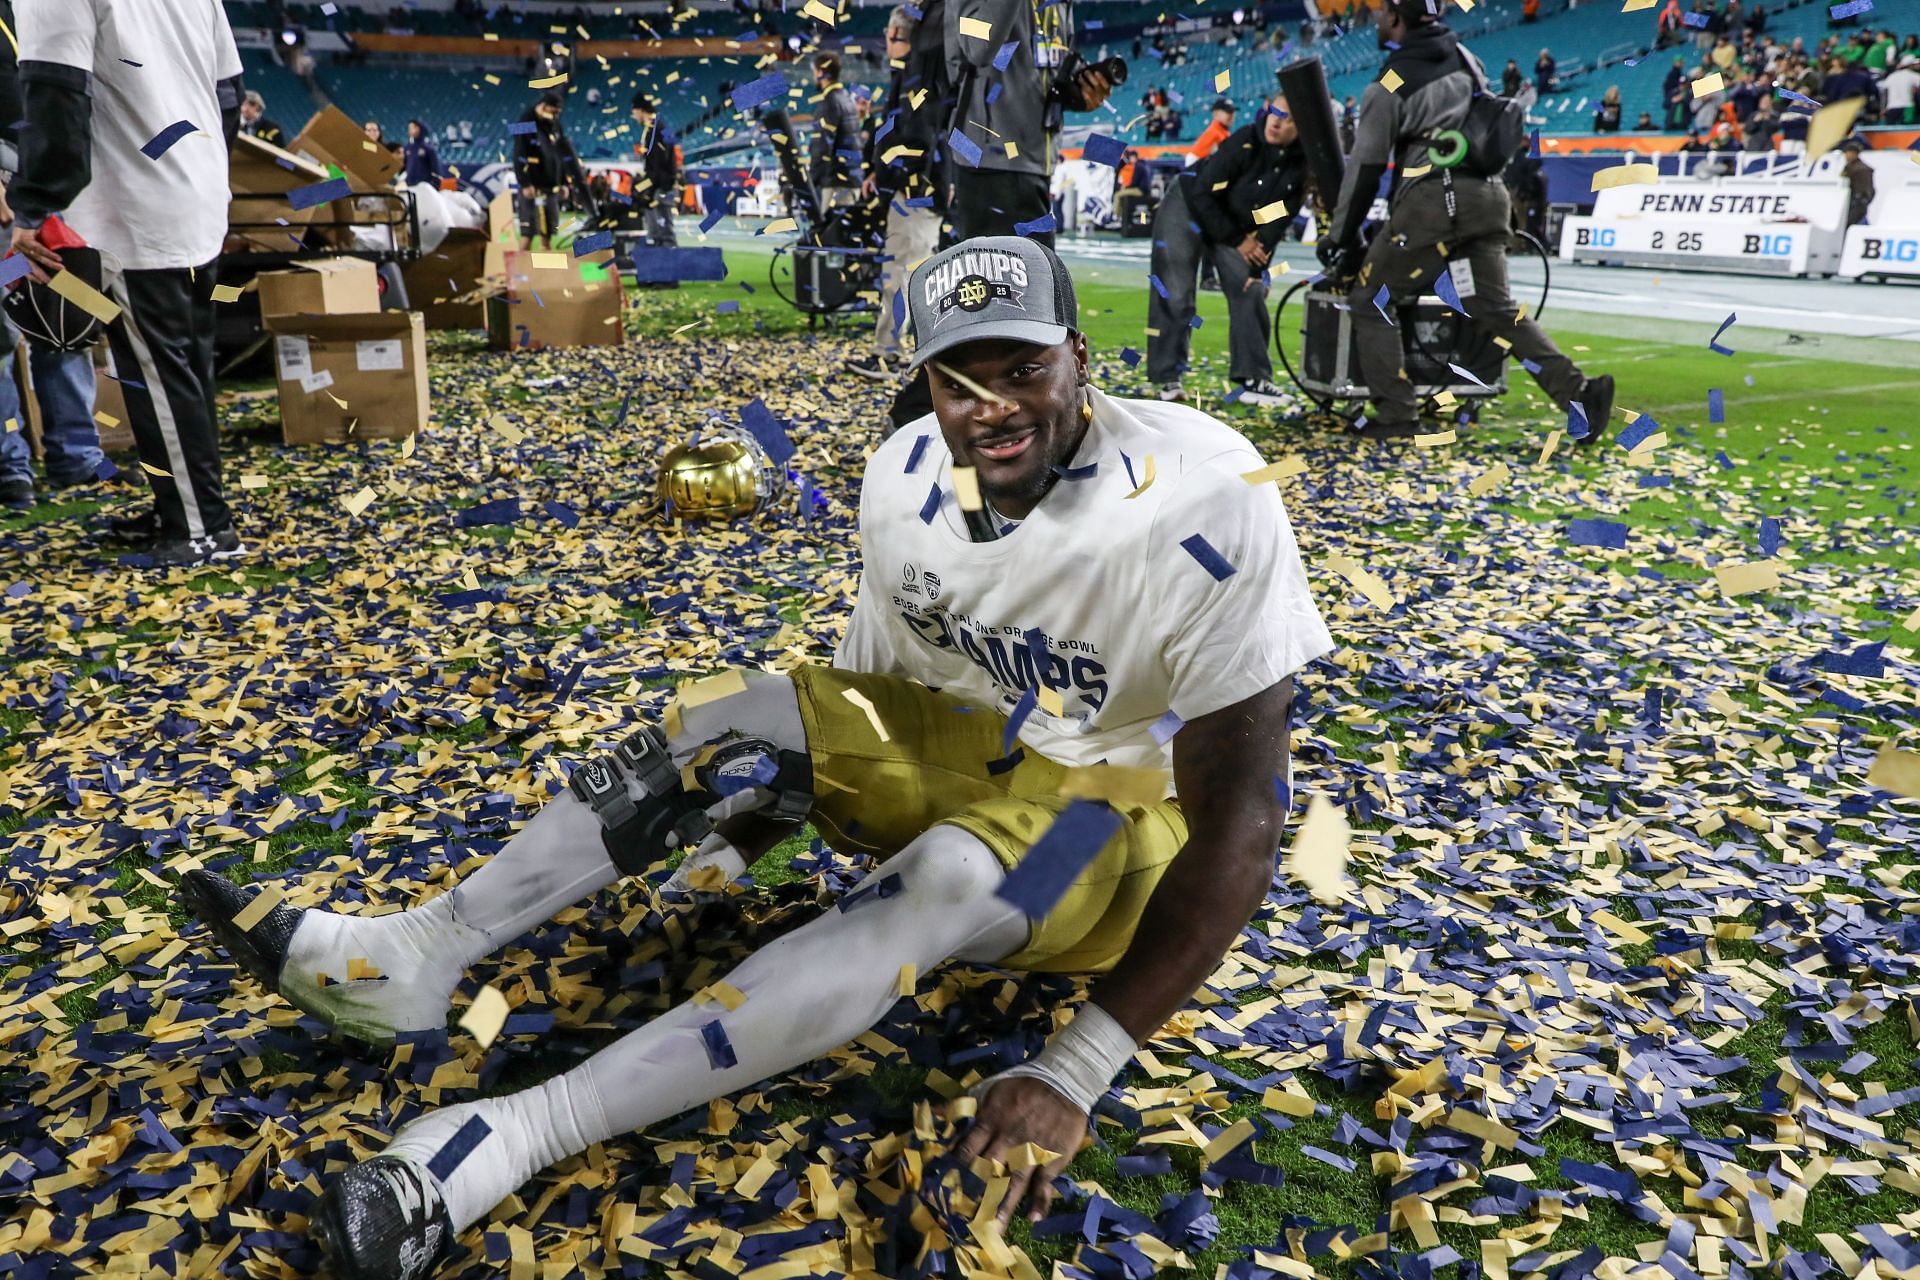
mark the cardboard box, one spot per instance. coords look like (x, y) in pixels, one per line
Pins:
(260, 175)
(332, 137)
(445, 285)
(323, 287)
(503, 236)
(352, 377)
(555, 300)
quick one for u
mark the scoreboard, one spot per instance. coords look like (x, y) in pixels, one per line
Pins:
(1764, 226)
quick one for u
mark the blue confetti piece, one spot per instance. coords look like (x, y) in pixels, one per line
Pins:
(1444, 290)
(1163, 729)
(899, 311)
(1716, 405)
(1058, 857)
(318, 193)
(1078, 473)
(1210, 560)
(1697, 20)
(1769, 535)
(1469, 375)
(1380, 301)
(872, 891)
(1577, 424)
(719, 1048)
(156, 146)
(1598, 533)
(1005, 56)
(565, 514)
(993, 92)
(458, 1148)
(767, 429)
(1801, 99)
(14, 267)
(919, 451)
(106, 470)
(1130, 357)
(931, 507)
(751, 94)
(1852, 8)
(730, 306)
(1196, 322)
(1720, 456)
(521, 128)
(965, 148)
(1637, 432)
(1531, 366)
(1143, 1166)
(1864, 661)
(1158, 287)
(712, 219)
(1029, 698)
(1714, 341)
(592, 242)
(1101, 149)
(19, 590)
(1040, 226)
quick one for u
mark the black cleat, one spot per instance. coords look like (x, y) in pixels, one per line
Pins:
(1596, 400)
(382, 1219)
(139, 530)
(214, 901)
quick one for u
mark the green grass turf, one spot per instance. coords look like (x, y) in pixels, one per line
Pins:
(1810, 437)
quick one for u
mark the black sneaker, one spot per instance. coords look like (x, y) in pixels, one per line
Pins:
(189, 553)
(1376, 429)
(16, 494)
(876, 368)
(214, 901)
(1596, 399)
(133, 531)
(382, 1219)
(1262, 392)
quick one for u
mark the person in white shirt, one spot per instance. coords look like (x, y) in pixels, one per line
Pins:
(130, 106)
(1899, 90)
(1054, 579)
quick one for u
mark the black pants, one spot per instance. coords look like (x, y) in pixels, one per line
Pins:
(987, 202)
(163, 350)
(1178, 252)
(532, 205)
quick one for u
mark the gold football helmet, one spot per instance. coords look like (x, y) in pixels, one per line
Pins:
(718, 475)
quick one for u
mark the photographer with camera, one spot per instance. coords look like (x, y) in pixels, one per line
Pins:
(1229, 211)
(1016, 75)
(1448, 139)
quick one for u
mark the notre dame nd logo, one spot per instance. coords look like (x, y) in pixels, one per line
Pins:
(972, 293)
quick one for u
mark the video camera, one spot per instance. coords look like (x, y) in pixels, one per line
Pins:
(1065, 86)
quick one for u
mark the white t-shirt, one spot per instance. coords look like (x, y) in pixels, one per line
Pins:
(1900, 87)
(1135, 625)
(154, 62)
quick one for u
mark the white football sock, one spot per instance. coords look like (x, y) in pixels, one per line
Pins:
(807, 993)
(714, 851)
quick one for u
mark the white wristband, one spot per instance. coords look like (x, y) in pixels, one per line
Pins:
(714, 851)
(1080, 1061)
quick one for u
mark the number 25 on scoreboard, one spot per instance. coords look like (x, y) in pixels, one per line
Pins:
(1685, 242)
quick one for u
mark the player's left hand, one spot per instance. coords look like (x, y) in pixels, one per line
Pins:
(26, 241)
(1020, 1110)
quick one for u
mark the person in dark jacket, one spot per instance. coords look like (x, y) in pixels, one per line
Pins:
(255, 124)
(1511, 80)
(834, 154)
(658, 193)
(1232, 209)
(1544, 70)
(544, 164)
(421, 163)
(1675, 91)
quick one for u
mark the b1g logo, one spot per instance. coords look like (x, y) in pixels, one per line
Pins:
(1767, 246)
(1595, 237)
(1873, 249)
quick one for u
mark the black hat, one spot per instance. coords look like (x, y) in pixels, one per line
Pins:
(641, 102)
(1224, 104)
(50, 318)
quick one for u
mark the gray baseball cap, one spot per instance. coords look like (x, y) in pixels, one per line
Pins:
(990, 287)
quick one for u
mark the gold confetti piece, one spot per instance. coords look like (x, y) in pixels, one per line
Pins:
(966, 488)
(1270, 212)
(1318, 856)
(1029, 1155)
(1635, 6)
(85, 296)
(1745, 579)
(549, 261)
(152, 470)
(361, 969)
(1418, 171)
(1144, 484)
(1221, 81)
(227, 292)
(700, 692)
(1626, 175)
(1625, 930)
(547, 82)
(360, 501)
(1229, 1138)
(779, 225)
(260, 908)
(1896, 771)
(407, 445)
(1122, 786)
(1495, 477)
(1391, 81)
(1291, 465)
(708, 879)
(909, 978)
(1546, 450)
(818, 12)
(1831, 123)
(1013, 149)
(1912, 623)
(1287, 1102)
(1435, 439)
(976, 28)
(499, 422)
(721, 993)
(1709, 83)
(1364, 580)
(1049, 700)
(859, 700)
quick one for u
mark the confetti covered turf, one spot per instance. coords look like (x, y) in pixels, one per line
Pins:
(1622, 983)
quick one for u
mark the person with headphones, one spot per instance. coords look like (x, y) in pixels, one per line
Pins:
(1448, 213)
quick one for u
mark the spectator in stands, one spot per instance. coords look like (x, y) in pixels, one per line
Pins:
(1859, 175)
(1901, 87)
(1674, 92)
(545, 164)
(1847, 81)
(1722, 55)
(1880, 54)
(834, 153)
(1910, 47)
(1544, 68)
(1215, 133)
(374, 132)
(1512, 79)
(419, 161)
(1757, 20)
(657, 195)
(1607, 118)
(1761, 126)
(254, 122)
(1530, 12)
(1667, 25)
(1645, 123)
